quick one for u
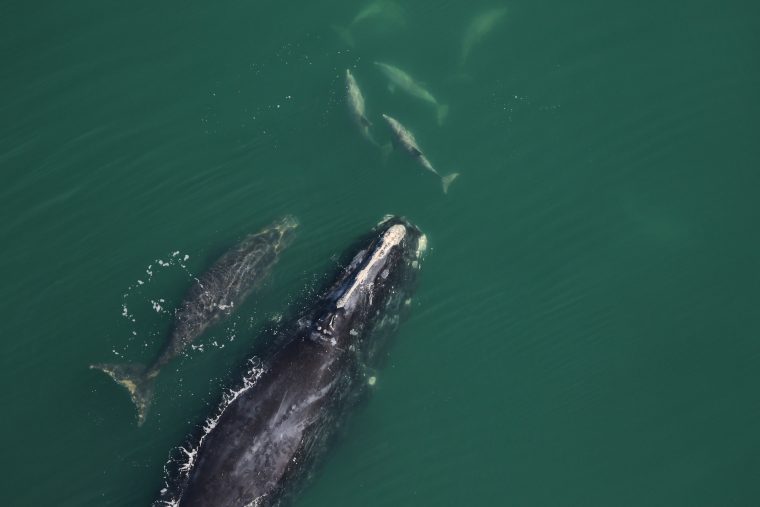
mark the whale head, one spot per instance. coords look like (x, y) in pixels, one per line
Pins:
(382, 266)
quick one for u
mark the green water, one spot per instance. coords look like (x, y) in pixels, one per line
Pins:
(586, 331)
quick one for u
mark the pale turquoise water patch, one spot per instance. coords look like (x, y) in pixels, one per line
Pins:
(586, 327)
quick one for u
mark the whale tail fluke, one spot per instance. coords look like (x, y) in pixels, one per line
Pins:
(443, 112)
(132, 377)
(345, 35)
(447, 180)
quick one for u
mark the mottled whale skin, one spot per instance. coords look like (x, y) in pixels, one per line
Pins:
(264, 442)
(213, 296)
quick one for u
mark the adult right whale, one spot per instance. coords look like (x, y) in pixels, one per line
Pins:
(266, 439)
(213, 296)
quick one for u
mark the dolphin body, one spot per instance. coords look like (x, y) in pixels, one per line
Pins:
(356, 105)
(213, 296)
(400, 79)
(265, 441)
(480, 26)
(386, 11)
(405, 139)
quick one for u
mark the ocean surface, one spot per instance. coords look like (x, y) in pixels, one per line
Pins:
(586, 331)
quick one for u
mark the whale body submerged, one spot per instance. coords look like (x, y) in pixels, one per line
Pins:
(266, 439)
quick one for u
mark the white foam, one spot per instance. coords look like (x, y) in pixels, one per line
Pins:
(157, 305)
(256, 501)
(186, 465)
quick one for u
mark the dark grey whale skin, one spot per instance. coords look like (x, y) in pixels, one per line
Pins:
(266, 440)
(213, 296)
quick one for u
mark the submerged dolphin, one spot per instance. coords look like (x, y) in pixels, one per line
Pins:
(399, 78)
(356, 105)
(480, 26)
(213, 296)
(384, 10)
(405, 139)
(265, 441)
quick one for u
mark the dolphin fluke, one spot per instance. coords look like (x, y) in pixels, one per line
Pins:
(443, 112)
(133, 377)
(447, 180)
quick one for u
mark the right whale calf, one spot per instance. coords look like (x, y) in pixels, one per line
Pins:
(214, 295)
(265, 440)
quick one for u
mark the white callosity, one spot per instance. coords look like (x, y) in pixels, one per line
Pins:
(392, 237)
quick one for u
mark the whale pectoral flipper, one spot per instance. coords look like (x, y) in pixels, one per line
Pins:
(391, 88)
(134, 379)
